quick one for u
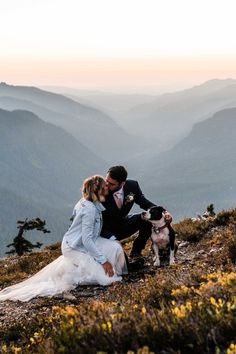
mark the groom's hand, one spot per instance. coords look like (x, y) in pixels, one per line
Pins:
(108, 269)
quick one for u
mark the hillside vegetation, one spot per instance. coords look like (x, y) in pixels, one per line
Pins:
(189, 307)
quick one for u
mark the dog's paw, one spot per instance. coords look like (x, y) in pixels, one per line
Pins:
(172, 261)
(157, 263)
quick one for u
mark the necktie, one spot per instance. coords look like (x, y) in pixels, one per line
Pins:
(118, 199)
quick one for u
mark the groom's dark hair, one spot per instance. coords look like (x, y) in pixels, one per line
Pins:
(118, 173)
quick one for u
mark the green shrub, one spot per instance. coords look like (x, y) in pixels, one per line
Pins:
(225, 217)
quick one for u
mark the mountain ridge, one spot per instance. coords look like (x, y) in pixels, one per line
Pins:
(88, 125)
(199, 170)
(43, 167)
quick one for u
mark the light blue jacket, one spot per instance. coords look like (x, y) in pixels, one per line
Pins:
(86, 228)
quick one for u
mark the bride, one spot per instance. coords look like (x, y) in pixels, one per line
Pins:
(86, 258)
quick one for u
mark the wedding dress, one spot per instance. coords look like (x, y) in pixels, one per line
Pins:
(68, 271)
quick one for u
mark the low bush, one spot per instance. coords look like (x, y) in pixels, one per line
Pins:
(189, 307)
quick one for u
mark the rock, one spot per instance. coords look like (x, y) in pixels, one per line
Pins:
(183, 244)
(200, 252)
(68, 296)
(213, 250)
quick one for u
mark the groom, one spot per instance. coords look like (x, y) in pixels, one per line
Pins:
(117, 221)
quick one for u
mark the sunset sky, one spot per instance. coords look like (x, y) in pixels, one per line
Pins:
(120, 45)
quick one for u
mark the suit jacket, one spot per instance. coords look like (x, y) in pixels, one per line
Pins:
(113, 215)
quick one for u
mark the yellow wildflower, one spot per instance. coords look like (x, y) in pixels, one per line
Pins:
(71, 311)
(231, 349)
(179, 311)
(144, 311)
(183, 310)
(16, 349)
(36, 335)
(221, 302)
(189, 306)
(72, 322)
(4, 348)
(183, 290)
(213, 301)
(223, 279)
(104, 326)
(231, 305)
(217, 303)
(109, 326)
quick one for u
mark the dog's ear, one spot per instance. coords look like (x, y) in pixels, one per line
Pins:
(152, 207)
(161, 209)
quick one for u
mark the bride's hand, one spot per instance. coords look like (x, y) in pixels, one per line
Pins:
(108, 269)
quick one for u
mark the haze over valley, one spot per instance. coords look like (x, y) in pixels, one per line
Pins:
(180, 146)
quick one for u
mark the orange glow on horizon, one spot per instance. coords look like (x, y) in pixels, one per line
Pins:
(121, 74)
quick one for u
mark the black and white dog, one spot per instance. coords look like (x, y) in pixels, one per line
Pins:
(163, 236)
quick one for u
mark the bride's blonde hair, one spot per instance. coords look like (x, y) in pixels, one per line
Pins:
(93, 188)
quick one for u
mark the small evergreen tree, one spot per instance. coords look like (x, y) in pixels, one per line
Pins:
(20, 244)
(210, 209)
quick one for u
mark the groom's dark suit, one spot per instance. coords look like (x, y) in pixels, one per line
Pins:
(117, 222)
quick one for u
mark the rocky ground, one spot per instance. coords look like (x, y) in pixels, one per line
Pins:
(13, 313)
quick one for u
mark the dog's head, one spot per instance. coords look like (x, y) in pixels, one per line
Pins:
(154, 213)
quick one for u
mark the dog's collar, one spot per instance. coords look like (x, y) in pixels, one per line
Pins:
(158, 229)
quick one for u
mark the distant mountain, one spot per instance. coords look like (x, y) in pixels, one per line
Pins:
(38, 149)
(42, 165)
(200, 170)
(42, 168)
(171, 116)
(89, 126)
(108, 101)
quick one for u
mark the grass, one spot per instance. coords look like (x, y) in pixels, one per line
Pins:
(189, 307)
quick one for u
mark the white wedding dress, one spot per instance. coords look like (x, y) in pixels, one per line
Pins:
(68, 271)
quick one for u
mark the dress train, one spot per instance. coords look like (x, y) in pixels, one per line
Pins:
(68, 271)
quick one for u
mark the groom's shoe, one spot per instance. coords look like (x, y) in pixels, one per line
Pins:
(134, 255)
(136, 263)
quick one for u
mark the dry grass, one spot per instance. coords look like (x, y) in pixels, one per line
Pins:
(190, 307)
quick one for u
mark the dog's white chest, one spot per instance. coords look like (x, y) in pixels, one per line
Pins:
(161, 238)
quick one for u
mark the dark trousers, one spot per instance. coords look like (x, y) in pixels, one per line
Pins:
(128, 226)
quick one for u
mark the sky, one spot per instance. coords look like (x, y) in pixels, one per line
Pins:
(144, 46)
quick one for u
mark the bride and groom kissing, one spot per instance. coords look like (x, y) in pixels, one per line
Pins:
(91, 252)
